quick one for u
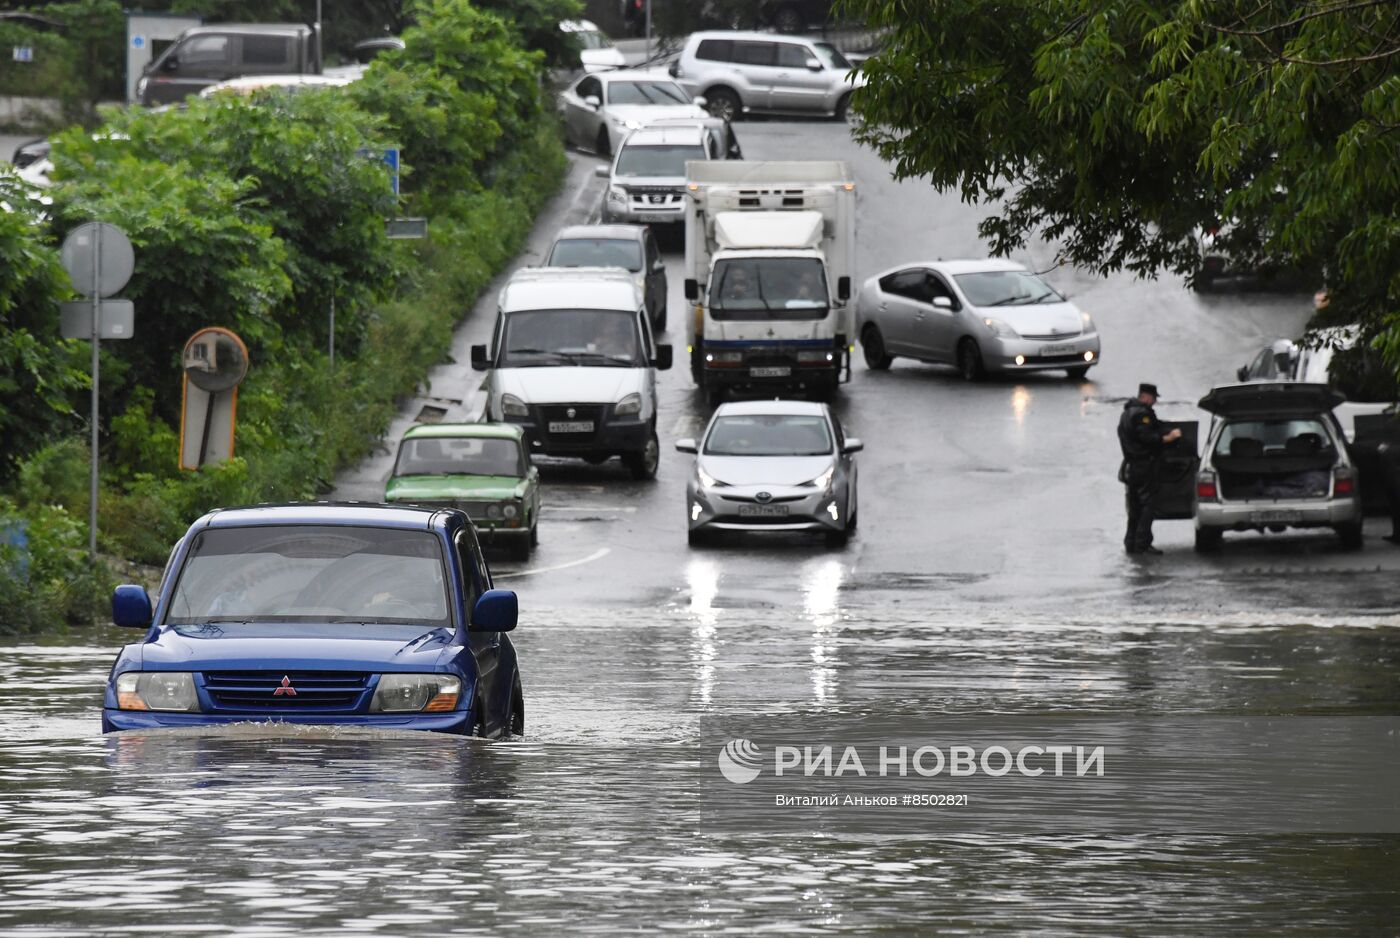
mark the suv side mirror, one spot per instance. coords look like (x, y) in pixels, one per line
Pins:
(664, 357)
(692, 289)
(495, 611)
(843, 288)
(686, 445)
(1243, 373)
(479, 362)
(813, 65)
(131, 607)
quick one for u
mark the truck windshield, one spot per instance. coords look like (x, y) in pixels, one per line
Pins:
(445, 456)
(769, 435)
(751, 288)
(312, 573)
(592, 337)
(596, 252)
(649, 160)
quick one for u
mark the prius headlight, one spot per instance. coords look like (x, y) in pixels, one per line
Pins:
(823, 480)
(708, 481)
(999, 328)
(157, 690)
(1088, 322)
(416, 693)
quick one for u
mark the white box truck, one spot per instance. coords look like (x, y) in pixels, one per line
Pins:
(769, 253)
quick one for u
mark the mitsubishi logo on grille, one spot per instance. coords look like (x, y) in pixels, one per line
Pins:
(571, 413)
(286, 688)
(763, 497)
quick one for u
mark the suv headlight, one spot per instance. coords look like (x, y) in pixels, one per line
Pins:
(415, 693)
(631, 404)
(617, 194)
(823, 480)
(512, 406)
(999, 328)
(157, 690)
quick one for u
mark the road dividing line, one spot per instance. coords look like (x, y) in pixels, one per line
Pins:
(596, 555)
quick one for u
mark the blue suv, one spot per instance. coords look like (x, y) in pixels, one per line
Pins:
(347, 615)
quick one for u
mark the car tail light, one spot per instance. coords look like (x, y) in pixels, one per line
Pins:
(1343, 483)
(1205, 487)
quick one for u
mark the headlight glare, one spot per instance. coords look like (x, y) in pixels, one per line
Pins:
(999, 328)
(706, 480)
(512, 406)
(1088, 322)
(414, 693)
(823, 480)
(169, 691)
(631, 404)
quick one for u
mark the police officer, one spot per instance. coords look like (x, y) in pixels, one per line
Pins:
(1141, 436)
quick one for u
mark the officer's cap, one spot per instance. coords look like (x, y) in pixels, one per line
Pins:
(1148, 389)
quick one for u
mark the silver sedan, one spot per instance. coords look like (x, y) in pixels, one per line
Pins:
(602, 108)
(773, 466)
(981, 316)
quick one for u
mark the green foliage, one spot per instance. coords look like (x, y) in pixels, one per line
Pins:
(51, 582)
(1123, 128)
(538, 22)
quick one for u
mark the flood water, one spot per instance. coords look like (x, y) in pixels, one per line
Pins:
(591, 823)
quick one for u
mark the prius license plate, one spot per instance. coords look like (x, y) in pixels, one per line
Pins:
(776, 371)
(1050, 351)
(763, 511)
(571, 426)
(1275, 516)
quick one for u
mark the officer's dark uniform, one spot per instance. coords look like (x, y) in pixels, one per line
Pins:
(1140, 435)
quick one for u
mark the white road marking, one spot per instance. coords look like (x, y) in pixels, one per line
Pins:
(596, 555)
(553, 508)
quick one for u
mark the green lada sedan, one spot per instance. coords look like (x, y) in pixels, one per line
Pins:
(483, 469)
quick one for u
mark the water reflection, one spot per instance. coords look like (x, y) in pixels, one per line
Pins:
(821, 588)
(703, 577)
(1020, 403)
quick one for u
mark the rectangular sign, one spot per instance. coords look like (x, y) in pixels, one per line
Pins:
(404, 228)
(116, 319)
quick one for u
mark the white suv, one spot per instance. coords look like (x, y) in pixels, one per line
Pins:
(761, 73)
(572, 361)
(647, 177)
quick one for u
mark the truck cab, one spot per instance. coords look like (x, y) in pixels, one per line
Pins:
(768, 257)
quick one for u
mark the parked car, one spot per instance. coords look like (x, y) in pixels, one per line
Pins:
(345, 615)
(207, 55)
(482, 468)
(572, 361)
(1275, 458)
(30, 151)
(980, 315)
(596, 52)
(1273, 362)
(646, 179)
(601, 109)
(773, 466)
(741, 73)
(631, 247)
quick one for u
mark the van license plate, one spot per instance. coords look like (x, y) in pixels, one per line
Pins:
(763, 511)
(772, 372)
(574, 426)
(1275, 517)
(1050, 351)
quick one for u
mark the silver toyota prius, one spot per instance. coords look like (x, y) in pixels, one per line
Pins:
(773, 466)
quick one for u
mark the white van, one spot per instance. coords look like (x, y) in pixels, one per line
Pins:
(573, 362)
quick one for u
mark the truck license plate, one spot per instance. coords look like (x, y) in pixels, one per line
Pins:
(763, 511)
(571, 426)
(776, 371)
(1279, 516)
(1050, 351)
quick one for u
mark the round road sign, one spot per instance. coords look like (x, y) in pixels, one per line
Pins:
(98, 258)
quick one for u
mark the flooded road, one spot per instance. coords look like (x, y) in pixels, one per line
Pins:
(592, 824)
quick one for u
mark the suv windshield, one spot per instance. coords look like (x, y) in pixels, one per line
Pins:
(594, 337)
(830, 57)
(312, 573)
(769, 435)
(646, 92)
(440, 456)
(596, 252)
(666, 160)
(1006, 288)
(757, 288)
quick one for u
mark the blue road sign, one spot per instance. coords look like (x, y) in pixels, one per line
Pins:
(389, 156)
(138, 42)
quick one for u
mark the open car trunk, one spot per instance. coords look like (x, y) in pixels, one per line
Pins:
(1274, 476)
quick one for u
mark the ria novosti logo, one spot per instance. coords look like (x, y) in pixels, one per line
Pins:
(740, 761)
